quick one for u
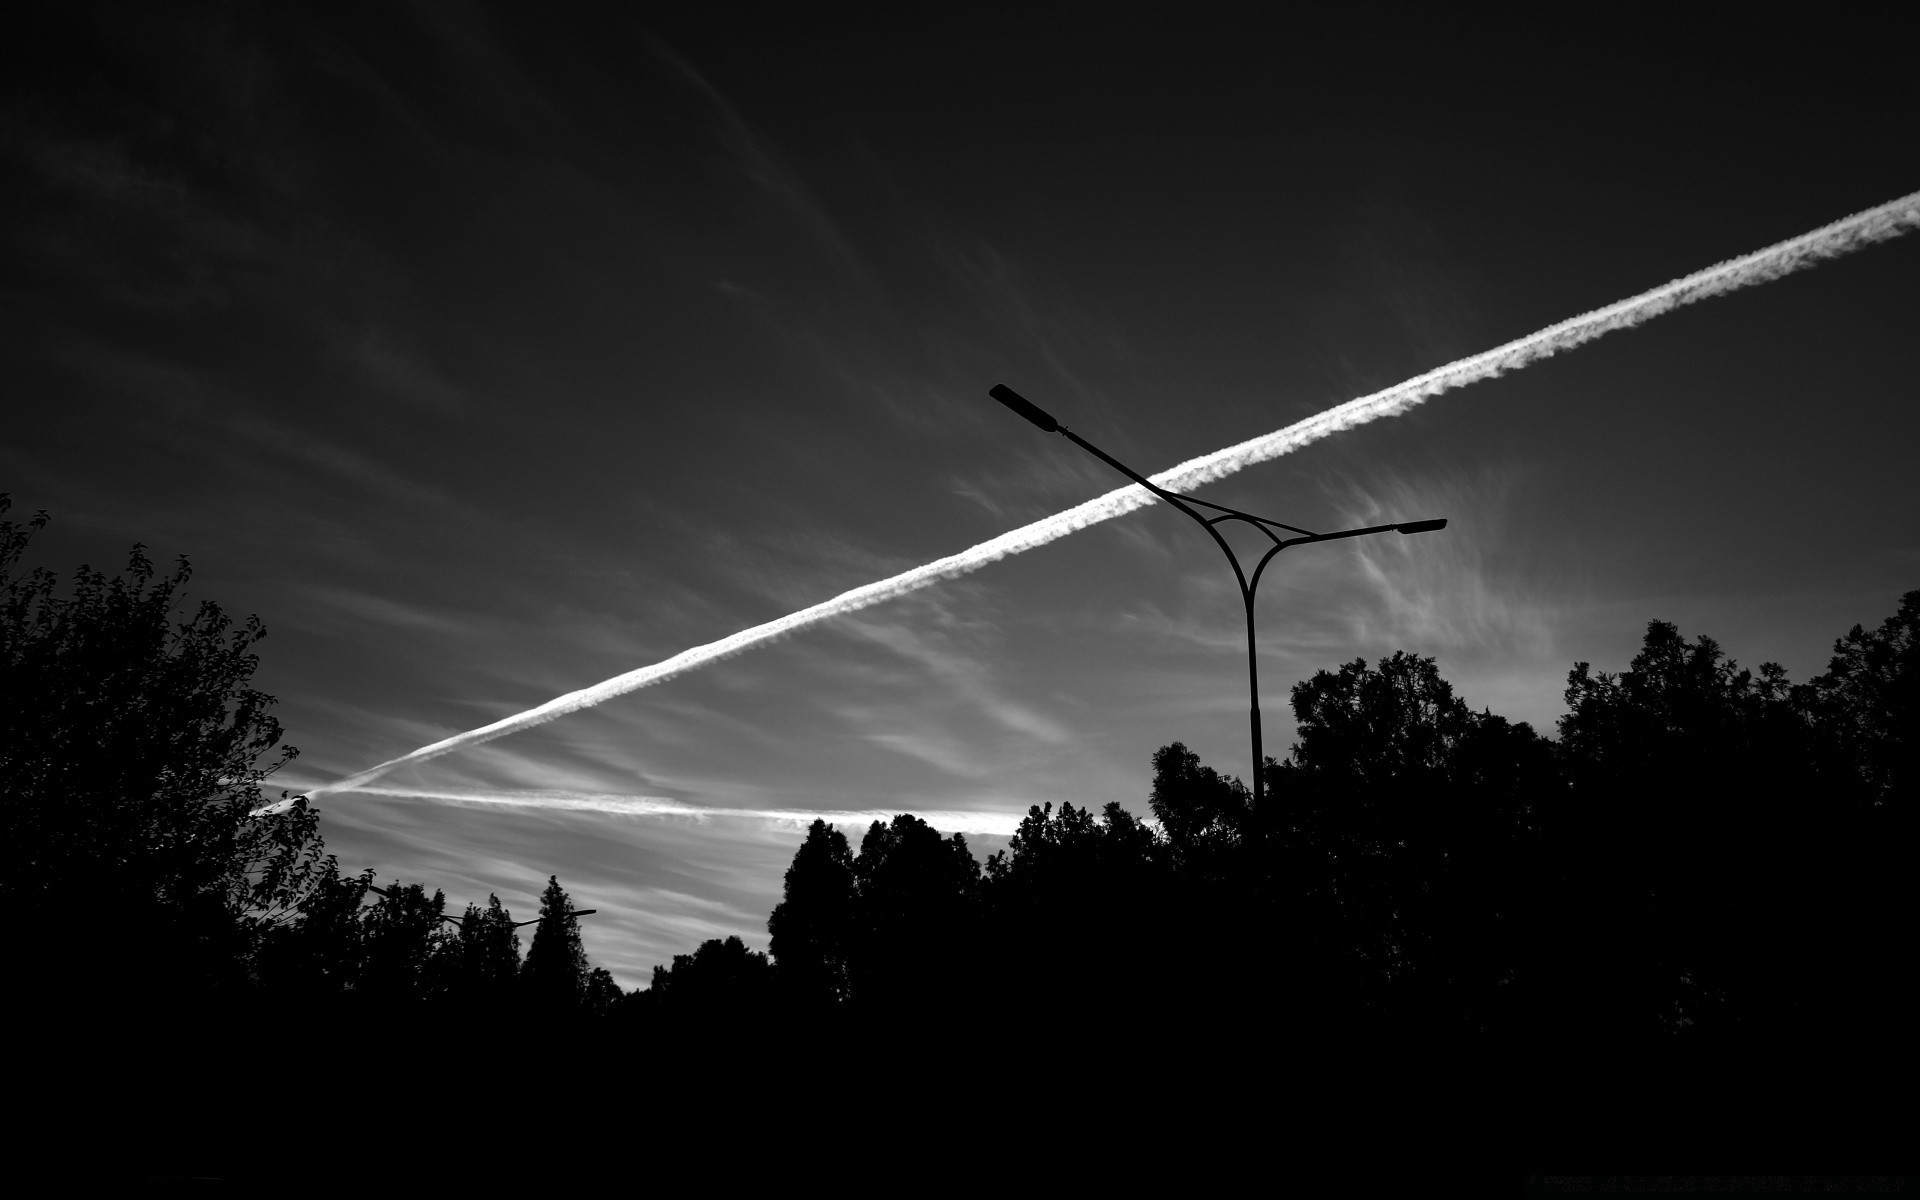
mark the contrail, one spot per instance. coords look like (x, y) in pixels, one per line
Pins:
(947, 821)
(1830, 241)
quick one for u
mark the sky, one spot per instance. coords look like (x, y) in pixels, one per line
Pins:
(487, 351)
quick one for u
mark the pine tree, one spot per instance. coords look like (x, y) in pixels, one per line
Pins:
(555, 975)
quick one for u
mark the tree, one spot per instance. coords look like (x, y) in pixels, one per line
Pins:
(1070, 858)
(1865, 713)
(721, 982)
(555, 975)
(315, 952)
(1693, 845)
(602, 993)
(1402, 823)
(1868, 704)
(133, 750)
(1397, 725)
(407, 947)
(485, 955)
(915, 917)
(1077, 905)
(1202, 812)
(812, 926)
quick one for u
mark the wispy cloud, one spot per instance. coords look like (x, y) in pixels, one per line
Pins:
(1030, 483)
(1043, 315)
(1397, 297)
(1462, 595)
(964, 675)
(1440, 590)
(760, 164)
(404, 376)
(1862, 229)
(947, 820)
(190, 253)
(365, 607)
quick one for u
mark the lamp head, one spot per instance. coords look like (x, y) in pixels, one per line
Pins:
(1025, 407)
(1422, 526)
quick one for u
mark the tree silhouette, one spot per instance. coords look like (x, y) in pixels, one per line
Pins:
(1694, 844)
(1398, 839)
(1866, 713)
(133, 750)
(407, 947)
(485, 955)
(1202, 812)
(1069, 857)
(555, 974)
(1868, 704)
(1076, 904)
(601, 995)
(915, 917)
(721, 982)
(812, 927)
(315, 953)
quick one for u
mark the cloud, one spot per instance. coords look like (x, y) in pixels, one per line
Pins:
(1840, 237)
(126, 230)
(1043, 315)
(382, 610)
(1398, 297)
(1028, 481)
(1440, 590)
(965, 676)
(762, 166)
(402, 376)
(561, 800)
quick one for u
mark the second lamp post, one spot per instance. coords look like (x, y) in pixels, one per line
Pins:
(1248, 583)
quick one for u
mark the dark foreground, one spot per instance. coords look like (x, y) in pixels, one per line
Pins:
(1041, 1098)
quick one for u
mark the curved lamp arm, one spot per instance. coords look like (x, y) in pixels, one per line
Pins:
(1046, 423)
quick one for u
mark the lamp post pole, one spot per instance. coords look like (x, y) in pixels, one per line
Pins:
(1249, 584)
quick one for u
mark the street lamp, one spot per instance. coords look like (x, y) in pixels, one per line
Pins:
(1248, 584)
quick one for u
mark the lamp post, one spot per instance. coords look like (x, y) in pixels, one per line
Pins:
(1248, 583)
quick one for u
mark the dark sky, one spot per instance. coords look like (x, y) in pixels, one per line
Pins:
(489, 351)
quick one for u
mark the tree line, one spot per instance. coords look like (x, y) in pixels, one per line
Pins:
(1704, 855)
(137, 842)
(406, 949)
